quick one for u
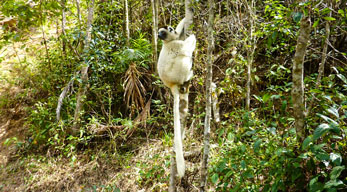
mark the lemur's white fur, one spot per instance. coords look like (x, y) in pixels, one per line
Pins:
(175, 68)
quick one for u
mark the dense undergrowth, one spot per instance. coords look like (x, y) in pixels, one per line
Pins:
(126, 129)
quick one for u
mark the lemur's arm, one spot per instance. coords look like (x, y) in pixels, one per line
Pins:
(180, 30)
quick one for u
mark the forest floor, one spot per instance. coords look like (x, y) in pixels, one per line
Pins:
(145, 167)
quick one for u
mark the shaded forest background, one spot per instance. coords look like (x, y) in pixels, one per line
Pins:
(121, 138)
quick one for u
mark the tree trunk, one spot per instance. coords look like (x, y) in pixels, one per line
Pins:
(78, 11)
(84, 72)
(321, 65)
(250, 52)
(188, 16)
(204, 164)
(127, 31)
(184, 94)
(324, 56)
(63, 23)
(298, 78)
(154, 33)
(215, 103)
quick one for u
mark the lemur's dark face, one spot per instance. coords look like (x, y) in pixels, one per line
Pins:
(167, 33)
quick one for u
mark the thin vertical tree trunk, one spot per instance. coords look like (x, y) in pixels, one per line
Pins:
(248, 84)
(188, 16)
(250, 53)
(127, 31)
(215, 103)
(84, 72)
(204, 164)
(63, 23)
(324, 56)
(321, 65)
(154, 33)
(184, 94)
(298, 78)
(78, 11)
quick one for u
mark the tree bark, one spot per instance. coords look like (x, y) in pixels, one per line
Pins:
(154, 33)
(184, 94)
(61, 99)
(63, 23)
(215, 103)
(204, 164)
(321, 65)
(127, 31)
(250, 52)
(84, 73)
(324, 56)
(188, 16)
(78, 11)
(298, 78)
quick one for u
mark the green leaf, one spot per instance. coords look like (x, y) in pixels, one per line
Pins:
(341, 12)
(258, 98)
(329, 18)
(297, 16)
(248, 174)
(328, 119)
(321, 129)
(332, 190)
(333, 183)
(336, 158)
(315, 185)
(307, 142)
(323, 156)
(315, 24)
(333, 111)
(214, 178)
(343, 78)
(243, 164)
(257, 145)
(335, 173)
(266, 97)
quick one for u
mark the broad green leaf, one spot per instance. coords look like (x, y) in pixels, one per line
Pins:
(329, 18)
(243, 164)
(321, 129)
(257, 145)
(333, 183)
(343, 78)
(332, 190)
(266, 97)
(336, 158)
(315, 185)
(341, 12)
(214, 178)
(307, 142)
(297, 16)
(315, 24)
(323, 156)
(335, 173)
(248, 174)
(333, 111)
(258, 98)
(328, 119)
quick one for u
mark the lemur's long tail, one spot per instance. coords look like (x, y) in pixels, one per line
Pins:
(177, 133)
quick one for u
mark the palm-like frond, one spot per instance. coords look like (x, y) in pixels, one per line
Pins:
(134, 91)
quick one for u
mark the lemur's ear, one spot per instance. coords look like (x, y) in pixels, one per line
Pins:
(170, 29)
